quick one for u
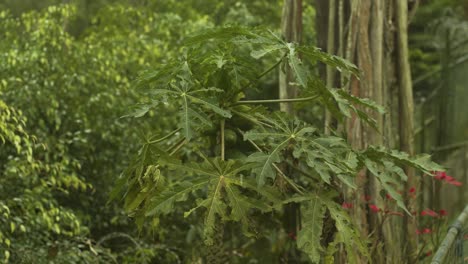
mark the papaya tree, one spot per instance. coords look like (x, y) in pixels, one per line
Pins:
(219, 165)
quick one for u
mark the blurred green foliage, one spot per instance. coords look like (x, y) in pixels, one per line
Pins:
(66, 93)
(66, 74)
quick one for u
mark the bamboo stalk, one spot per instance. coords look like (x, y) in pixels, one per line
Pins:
(451, 146)
(406, 122)
(449, 239)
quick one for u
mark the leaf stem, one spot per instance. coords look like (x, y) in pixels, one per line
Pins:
(301, 171)
(292, 100)
(177, 146)
(222, 138)
(267, 71)
(165, 137)
(273, 66)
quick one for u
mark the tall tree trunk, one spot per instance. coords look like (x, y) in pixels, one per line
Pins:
(331, 50)
(445, 122)
(376, 137)
(406, 124)
(370, 43)
(291, 27)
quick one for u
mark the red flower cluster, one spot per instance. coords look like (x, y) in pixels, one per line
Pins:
(347, 205)
(374, 208)
(412, 192)
(442, 176)
(423, 231)
(442, 212)
(429, 212)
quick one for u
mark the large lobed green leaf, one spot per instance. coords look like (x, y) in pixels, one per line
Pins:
(309, 237)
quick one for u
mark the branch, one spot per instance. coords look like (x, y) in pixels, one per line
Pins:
(412, 12)
(273, 101)
(116, 235)
(267, 71)
(222, 139)
(176, 147)
(165, 137)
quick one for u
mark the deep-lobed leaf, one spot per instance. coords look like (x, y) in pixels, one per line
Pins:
(309, 237)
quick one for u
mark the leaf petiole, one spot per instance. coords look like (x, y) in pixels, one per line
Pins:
(293, 100)
(165, 137)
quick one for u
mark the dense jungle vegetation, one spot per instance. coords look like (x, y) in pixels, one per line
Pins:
(204, 131)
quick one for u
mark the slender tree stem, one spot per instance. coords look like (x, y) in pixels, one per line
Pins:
(301, 171)
(222, 139)
(329, 69)
(165, 137)
(177, 146)
(273, 101)
(273, 66)
(267, 70)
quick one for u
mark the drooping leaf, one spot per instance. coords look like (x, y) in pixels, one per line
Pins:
(362, 101)
(326, 155)
(309, 237)
(223, 182)
(257, 54)
(220, 34)
(347, 233)
(388, 180)
(315, 54)
(195, 102)
(297, 67)
(266, 160)
(163, 203)
(210, 105)
(152, 181)
(279, 133)
(386, 165)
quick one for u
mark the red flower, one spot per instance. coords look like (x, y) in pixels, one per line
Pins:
(423, 231)
(426, 231)
(347, 205)
(428, 253)
(456, 183)
(412, 190)
(449, 178)
(442, 212)
(389, 196)
(440, 175)
(374, 208)
(367, 198)
(429, 212)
